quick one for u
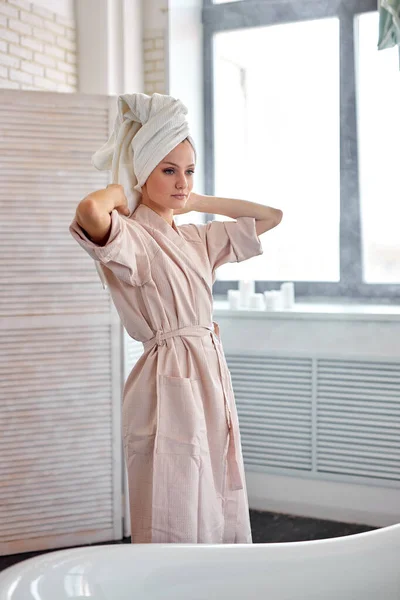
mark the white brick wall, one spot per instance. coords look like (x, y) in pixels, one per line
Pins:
(154, 62)
(37, 48)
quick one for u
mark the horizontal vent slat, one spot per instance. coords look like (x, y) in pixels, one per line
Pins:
(280, 425)
(357, 470)
(57, 461)
(268, 412)
(277, 464)
(54, 515)
(99, 378)
(360, 422)
(272, 390)
(388, 461)
(277, 401)
(54, 442)
(59, 453)
(301, 445)
(360, 414)
(257, 447)
(54, 481)
(74, 526)
(101, 488)
(352, 365)
(364, 433)
(340, 441)
(278, 434)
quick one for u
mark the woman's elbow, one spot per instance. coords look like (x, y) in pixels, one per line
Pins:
(264, 225)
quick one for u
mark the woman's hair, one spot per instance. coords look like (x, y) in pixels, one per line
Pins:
(187, 140)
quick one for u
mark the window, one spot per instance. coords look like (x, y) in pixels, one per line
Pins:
(276, 132)
(294, 97)
(379, 157)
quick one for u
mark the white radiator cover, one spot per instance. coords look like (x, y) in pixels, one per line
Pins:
(320, 416)
(319, 412)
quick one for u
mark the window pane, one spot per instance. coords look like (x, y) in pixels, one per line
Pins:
(277, 142)
(378, 133)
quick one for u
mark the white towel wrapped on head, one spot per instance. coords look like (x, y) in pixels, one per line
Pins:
(146, 129)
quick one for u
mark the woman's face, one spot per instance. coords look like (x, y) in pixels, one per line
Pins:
(172, 176)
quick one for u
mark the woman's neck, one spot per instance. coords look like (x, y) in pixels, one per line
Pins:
(165, 213)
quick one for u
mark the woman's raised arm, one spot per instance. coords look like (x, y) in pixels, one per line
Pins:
(93, 212)
(266, 217)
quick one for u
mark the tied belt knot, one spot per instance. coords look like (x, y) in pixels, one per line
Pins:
(161, 337)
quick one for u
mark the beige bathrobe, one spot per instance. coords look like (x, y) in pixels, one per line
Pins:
(179, 420)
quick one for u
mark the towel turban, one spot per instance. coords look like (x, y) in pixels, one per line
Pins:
(146, 129)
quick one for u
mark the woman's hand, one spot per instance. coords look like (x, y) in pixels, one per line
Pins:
(192, 203)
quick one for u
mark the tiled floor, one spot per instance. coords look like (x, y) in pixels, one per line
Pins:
(266, 527)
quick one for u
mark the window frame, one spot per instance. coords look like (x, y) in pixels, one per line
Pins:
(244, 14)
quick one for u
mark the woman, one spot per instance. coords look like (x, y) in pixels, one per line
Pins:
(180, 424)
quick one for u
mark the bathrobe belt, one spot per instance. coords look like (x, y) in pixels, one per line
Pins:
(161, 338)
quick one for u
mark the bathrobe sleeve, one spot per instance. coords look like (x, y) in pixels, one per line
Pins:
(230, 241)
(124, 253)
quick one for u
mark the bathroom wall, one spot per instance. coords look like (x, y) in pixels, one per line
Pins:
(38, 48)
(74, 46)
(67, 46)
(155, 45)
(184, 58)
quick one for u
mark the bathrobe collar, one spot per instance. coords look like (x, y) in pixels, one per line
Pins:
(147, 216)
(150, 219)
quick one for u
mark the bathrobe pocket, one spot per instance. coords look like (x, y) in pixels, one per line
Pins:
(185, 505)
(181, 427)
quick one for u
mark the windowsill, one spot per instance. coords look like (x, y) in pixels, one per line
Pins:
(315, 310)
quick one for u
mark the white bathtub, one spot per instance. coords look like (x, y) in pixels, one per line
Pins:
(365, 566)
